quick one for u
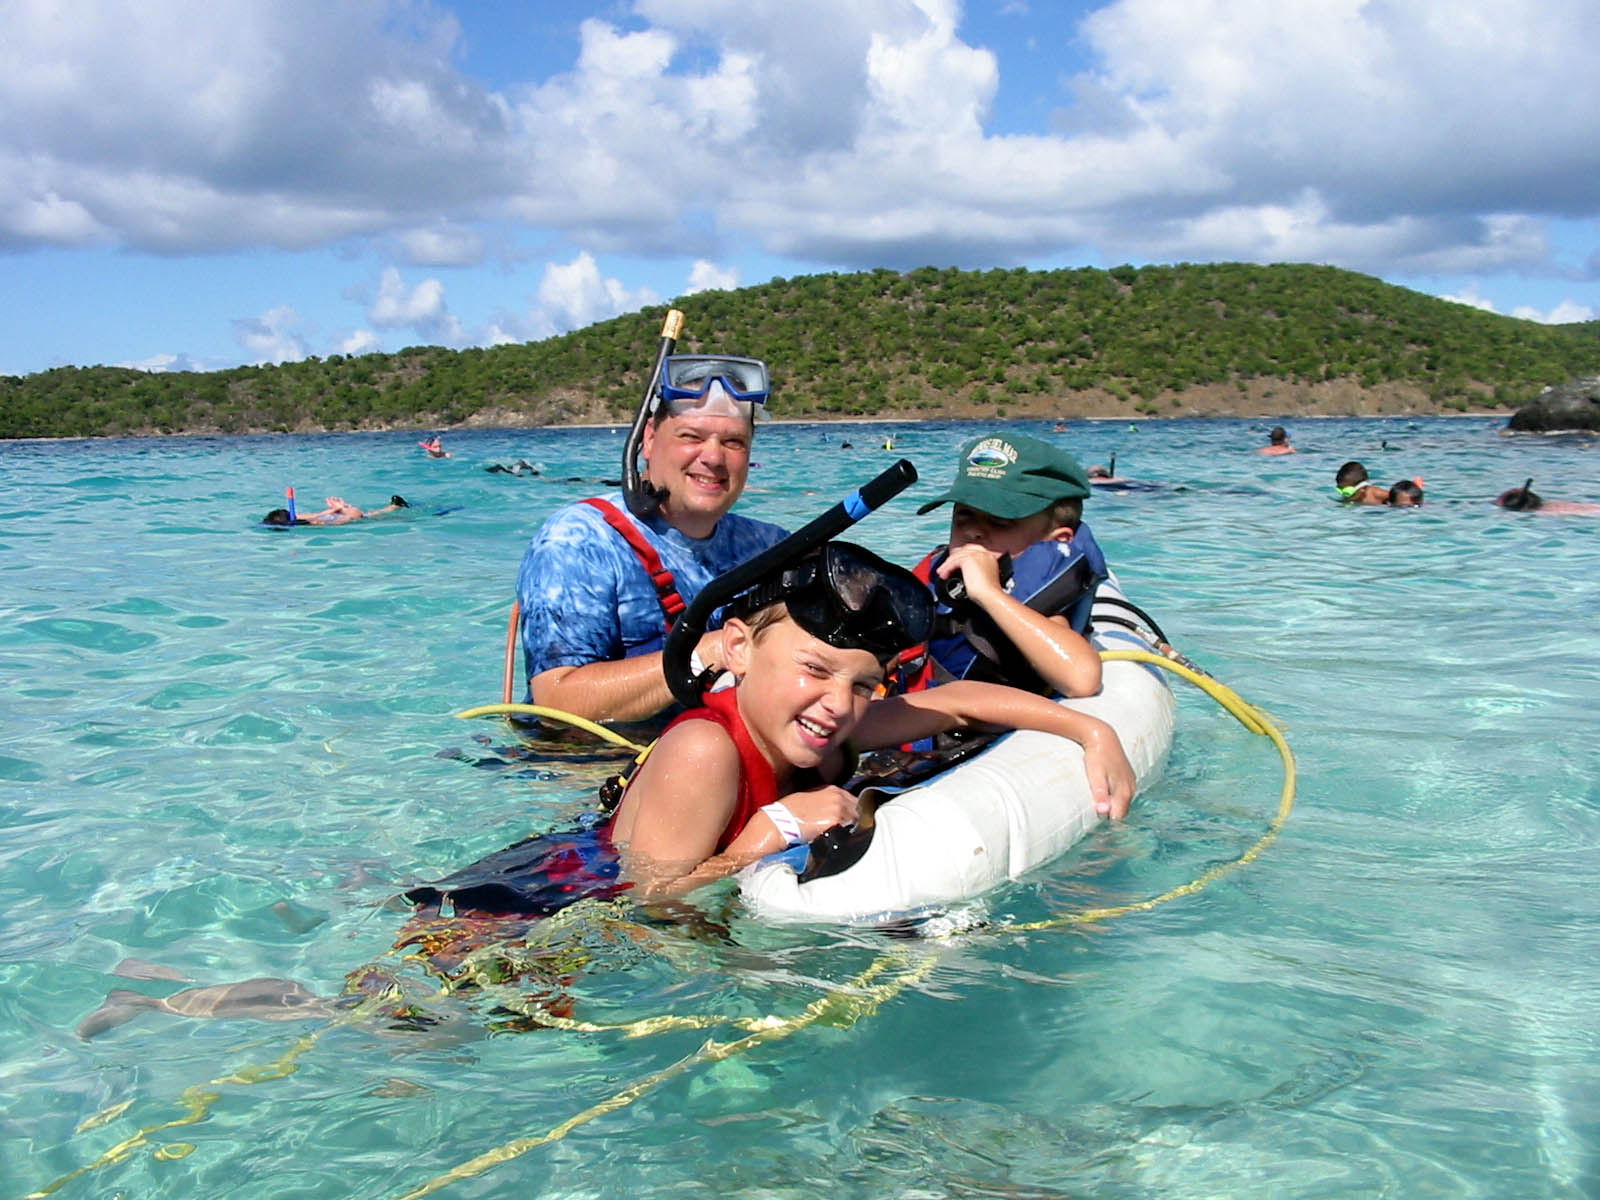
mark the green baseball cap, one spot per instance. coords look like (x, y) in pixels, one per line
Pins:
(1013, 476)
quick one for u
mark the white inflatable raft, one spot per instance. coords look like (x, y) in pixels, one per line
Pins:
(1019, 803)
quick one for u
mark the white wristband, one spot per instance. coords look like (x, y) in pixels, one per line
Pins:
(788, 824)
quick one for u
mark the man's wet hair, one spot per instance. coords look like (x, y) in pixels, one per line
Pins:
(1350, 474)
(1279, 435)
(278, 516)
(1410, 489)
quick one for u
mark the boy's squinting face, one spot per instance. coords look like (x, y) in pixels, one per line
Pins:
(800, 697)
(998, 535)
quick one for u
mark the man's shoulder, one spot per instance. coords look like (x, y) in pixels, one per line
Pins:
(576, 522)
(748, 530)
(578, 538)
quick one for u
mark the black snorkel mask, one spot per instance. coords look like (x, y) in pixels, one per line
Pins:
(1520, 499)
(849, 598)
(849, 593)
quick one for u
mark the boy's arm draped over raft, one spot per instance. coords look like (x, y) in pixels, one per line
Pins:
(965, 704)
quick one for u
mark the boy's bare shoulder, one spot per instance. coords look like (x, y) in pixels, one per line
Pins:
(698, 741)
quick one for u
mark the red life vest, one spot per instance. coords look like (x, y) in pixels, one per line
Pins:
(913, 670)
(666, 587)
(758, 785)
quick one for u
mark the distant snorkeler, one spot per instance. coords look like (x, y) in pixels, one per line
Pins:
(1525, 499)
(1277, 442)
(337, 512)
(1522, 499)
(1406, 494)
(521, 467)
(1353, 486)
(1106, 477)
(1102, 475)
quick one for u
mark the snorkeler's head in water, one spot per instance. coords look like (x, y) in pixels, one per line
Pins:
(1522, 499)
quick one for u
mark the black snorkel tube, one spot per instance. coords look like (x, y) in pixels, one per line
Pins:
(690, 626)
(642, 497)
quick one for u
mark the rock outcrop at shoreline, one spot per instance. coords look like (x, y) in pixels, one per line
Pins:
(1571, 407)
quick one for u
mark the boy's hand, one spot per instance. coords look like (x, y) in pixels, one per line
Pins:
(821, 809)
(979, 568)
(1111, 778)
(709, 651)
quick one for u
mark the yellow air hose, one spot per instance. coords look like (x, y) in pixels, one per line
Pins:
(1253, 719)
(603, 732)
(854, 1000)
(842, 1005)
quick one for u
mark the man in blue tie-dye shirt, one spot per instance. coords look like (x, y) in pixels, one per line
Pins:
(593, 620)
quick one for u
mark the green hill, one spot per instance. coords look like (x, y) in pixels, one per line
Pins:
(1163, 341)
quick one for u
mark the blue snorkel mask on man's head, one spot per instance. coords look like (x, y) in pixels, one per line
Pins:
(713, 383)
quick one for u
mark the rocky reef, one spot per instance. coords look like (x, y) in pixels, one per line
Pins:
(1571, 407)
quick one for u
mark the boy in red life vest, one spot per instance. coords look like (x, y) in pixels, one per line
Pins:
(1017, 580)
(757, 768)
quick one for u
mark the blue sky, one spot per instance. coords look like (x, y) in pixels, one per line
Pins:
(198, 186)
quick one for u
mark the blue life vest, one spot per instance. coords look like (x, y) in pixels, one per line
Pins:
(1053, 578)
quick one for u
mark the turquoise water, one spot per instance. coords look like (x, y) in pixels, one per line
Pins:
(224, 747)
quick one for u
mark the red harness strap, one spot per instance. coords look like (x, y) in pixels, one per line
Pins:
(666, 587)
(913, 670)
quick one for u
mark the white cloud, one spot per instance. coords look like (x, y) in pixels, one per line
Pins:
(271, 337)
(362, 341)
(162, 363)
(575, 294)
(174, 126)
(1565, 313)
(1408, 136)
(441, 245)
(34, 213)
(422, 309)
(1470, 296)
(571, 295)
(395, 307)
(706, 276)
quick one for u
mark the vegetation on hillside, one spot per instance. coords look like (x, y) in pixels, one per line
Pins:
(925, 343)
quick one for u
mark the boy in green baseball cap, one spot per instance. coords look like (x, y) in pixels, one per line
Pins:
(1016, 582)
